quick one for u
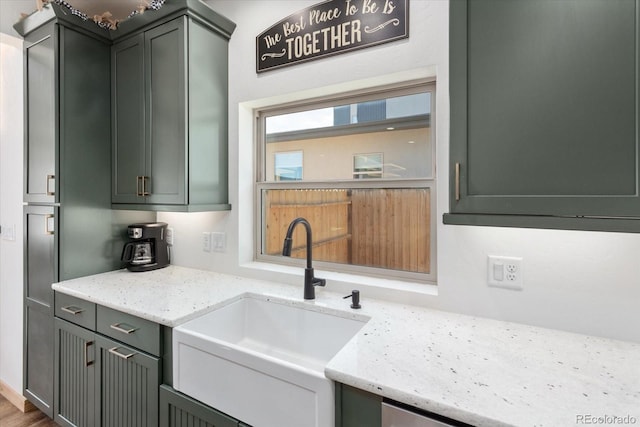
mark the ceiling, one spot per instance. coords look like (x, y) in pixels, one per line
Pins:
(10, 11)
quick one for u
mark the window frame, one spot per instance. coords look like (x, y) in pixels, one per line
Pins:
(430, 183)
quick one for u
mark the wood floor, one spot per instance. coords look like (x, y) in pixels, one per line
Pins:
(10, 416)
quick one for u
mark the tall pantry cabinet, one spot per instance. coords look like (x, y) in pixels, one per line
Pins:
(69, 228)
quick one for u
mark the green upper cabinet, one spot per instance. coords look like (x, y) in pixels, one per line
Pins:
(169, 101)
(41, 111)
(127, 119)
(545, 114)
(165, 154)
(149, 144)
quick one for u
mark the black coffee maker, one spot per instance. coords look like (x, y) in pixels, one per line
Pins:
(148, 249)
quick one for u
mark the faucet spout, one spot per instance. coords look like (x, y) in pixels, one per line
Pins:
(309, 279)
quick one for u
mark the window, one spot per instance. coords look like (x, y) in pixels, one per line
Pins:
(288, 166)
(367, 166)
(368, 188)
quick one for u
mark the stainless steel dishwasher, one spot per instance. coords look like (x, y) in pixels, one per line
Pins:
(394, 416)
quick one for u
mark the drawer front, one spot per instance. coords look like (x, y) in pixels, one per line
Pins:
(139, 333)
(76, 310)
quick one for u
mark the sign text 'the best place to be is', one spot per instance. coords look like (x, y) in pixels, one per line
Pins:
(329, 28)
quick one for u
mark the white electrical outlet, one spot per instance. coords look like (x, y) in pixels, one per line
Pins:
(218, 241)
(206, 242)
(505, 272)
(169, 236)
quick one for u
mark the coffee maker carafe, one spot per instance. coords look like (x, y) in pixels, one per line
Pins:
(147, 249)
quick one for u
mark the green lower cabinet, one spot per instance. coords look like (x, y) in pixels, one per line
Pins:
(357, 408)
(128, 385)
(75, 396)
(101, 382)
(354, 408)
(178, 410)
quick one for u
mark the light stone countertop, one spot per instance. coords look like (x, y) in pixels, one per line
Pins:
(480, 371)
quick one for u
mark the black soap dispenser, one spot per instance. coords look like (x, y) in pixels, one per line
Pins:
(355, 299)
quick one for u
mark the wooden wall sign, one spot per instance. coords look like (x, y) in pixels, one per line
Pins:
(329, 28)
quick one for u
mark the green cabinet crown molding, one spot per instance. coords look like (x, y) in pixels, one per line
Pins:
(545, 114)
(53, 11)
(171, 9)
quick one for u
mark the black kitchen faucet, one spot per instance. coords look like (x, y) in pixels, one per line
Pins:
(309, 280)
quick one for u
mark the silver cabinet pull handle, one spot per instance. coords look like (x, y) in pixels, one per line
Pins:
(87, 363)
(144, 186)
(49, 224)
(119, 327)
(49, 179)
(457, 172)
(115, 352)
(141, 186)
(72, 309)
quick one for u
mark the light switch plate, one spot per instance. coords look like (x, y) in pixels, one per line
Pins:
(8, 232)
(218, 241)
(206, 241)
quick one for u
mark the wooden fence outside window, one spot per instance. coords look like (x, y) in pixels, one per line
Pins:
(383, 228)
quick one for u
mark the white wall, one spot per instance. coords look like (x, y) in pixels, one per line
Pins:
(587, 282)
(11, 143)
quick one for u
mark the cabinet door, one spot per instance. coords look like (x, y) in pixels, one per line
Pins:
(128, 120)
(357, 408)
(165, 62)
(178, 410)
(40, 273)
(544, 108)
(75, 403)
(41, 111)
(38, 356)
(40, 254)
(127, 385)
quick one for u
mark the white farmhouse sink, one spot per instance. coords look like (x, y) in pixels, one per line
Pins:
(261, 360)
